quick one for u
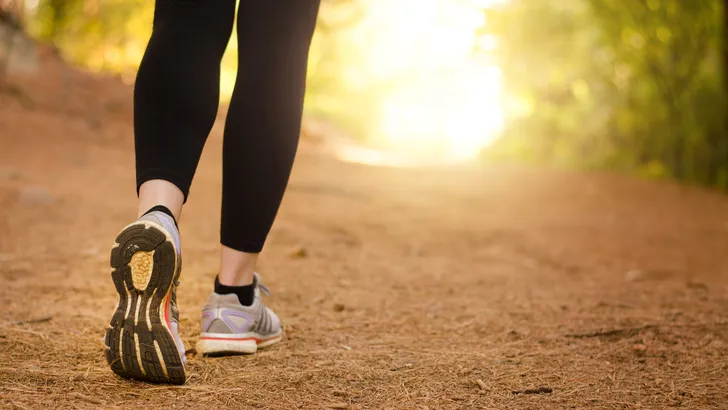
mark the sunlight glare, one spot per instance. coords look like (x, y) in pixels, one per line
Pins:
(444, 100)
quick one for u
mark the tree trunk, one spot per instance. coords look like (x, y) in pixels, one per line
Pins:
(725, 55)
(722, 151)
(725, 50)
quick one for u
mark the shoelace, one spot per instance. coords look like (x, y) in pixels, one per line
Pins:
(264, 289)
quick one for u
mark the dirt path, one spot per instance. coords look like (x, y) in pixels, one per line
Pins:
(440, 289)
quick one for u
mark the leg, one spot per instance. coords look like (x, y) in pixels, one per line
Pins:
(261, 137)
(156, 192)
(176, 95)
(263, 126)
(175, 103)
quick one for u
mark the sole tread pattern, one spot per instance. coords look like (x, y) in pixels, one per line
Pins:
(138, 344)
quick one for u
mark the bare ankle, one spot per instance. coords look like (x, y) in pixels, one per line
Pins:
(237, 268)
(160, 192)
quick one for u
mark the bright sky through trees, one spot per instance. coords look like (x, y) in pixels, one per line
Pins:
(445, 99)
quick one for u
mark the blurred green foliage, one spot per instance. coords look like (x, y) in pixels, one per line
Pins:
(633, 85)
(111, 35)
(629, 85)
(107, 35)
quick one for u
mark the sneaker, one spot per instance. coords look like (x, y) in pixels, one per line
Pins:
(142, 341)
(230, 328)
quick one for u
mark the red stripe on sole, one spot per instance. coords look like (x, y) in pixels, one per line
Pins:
(165, 302)
(239, 339)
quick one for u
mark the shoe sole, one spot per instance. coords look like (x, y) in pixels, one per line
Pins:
(139, 343)
(214, 344)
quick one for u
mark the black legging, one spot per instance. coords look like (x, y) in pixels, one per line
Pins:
(176, 101)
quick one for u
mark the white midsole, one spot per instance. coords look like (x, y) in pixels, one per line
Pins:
(233, 336)
(248, 342)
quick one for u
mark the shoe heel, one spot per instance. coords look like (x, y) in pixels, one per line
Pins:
(139, 344)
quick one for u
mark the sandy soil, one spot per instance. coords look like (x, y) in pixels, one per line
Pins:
(443, 288)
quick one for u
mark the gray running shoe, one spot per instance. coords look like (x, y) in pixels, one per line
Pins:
(142, 340)
(230, 328)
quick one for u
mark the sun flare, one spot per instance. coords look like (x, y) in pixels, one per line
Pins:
(443, 99)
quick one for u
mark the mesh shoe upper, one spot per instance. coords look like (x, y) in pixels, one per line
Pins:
(223, 314)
